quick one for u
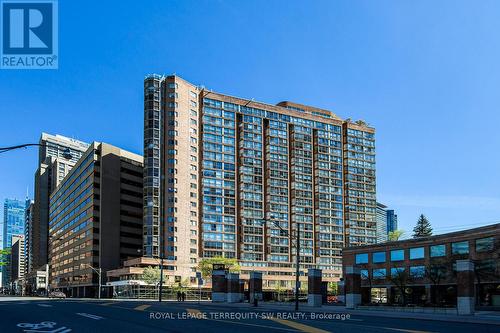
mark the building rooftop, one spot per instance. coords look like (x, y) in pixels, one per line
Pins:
(487, 228)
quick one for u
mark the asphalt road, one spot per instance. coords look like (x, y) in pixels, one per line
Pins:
(63, 316)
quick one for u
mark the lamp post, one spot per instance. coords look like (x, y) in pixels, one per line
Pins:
(160, 287)
(297, 258)
(98, 271)
(66, 151)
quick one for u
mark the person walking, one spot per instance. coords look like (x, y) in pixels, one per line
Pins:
(179, 296)
(183, 296)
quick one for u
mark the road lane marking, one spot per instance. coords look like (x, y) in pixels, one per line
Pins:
(91, 316)
(45, 305)
(142, 307)
(405, 330)
(106, 304)
(298, 326)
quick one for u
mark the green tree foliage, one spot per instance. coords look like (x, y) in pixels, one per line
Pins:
(333, 287)
(395, 235)
(205, 265)
(151, 275)
(423, 227)
(4, 256)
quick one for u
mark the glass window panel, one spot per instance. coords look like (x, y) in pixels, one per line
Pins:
(416, 253)
(378, 257)
(438, 250)
(485, 244)
(362, 258)
(397, 255)
(460, 248)
(379, 273)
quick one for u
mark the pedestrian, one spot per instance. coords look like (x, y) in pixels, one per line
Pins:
(179, 296)
(183, 296)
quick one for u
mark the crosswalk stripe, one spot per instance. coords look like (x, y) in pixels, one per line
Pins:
(299, 326)
(142, 307)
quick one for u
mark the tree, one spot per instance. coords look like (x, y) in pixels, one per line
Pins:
(400, 277)
(436, 271)
(423, 227)
(205, 265)
(4, 257)
(151, 275)
(395, 235)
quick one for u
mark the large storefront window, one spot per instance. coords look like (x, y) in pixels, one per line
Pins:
(379, 295)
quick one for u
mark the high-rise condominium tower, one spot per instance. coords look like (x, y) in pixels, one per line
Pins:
(231, 177)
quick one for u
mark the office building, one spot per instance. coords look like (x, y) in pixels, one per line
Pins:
(387, 221)
(224, 174)
(28, 225)
(445, 270)
(382, 223)
(13, 224)
(56, 156)
(392, 221)
(95, 219)
(17, 267)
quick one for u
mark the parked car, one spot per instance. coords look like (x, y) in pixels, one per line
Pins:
(57, 294)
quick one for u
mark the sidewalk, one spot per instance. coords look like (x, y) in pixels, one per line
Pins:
(480, 317)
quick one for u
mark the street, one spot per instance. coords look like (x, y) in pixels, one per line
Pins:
(62, 316)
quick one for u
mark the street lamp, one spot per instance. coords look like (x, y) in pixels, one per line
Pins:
(160, 288)
(297, 257)
(98, 271)
(66, 151)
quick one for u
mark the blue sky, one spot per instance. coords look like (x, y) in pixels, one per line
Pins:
(426, 74)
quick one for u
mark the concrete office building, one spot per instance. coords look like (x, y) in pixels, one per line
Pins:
(53, 166)
(95, 219)
(13, 224)
(217, 166)
(17, 265)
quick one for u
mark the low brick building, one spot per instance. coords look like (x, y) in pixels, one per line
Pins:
(438, 270)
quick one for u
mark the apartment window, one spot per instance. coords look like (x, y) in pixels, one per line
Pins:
(438, 250)
(416, 253)
(460, 248)
(378, 257)
(362, 258)
(397, 255)
(417, 271)
(485, 244)
(364, 274)
(379, 273)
